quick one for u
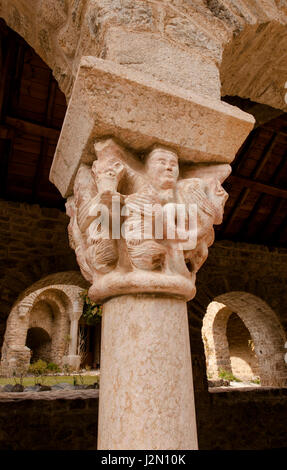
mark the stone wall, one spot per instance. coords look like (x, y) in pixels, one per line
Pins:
(244, 363)
(34, 243)
(68, 421)
(49, 421)
(236, 267)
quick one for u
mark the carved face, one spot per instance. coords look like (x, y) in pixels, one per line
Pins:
(162, 168)
(107, 173)
(218, 196)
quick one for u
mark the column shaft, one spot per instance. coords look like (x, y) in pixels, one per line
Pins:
(146, 392)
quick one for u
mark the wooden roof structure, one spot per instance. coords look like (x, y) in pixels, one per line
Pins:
(32, 109)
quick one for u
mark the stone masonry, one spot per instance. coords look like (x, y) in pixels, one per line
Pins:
(34, 243)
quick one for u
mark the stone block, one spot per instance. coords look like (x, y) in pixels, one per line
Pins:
(111, 100)
(163, 60)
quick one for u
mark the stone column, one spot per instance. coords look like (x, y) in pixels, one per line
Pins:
(73, 359)
(74, 337)
(146, 393)
(166, 148)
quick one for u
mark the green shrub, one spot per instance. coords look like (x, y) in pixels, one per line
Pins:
(52, 367)
(92, 312)
(38, 368)
(225, 375)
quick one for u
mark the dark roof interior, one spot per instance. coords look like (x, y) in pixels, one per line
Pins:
(32, 109)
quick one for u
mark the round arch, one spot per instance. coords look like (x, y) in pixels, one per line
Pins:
(53, 304)
(265, 330)
(253, 64)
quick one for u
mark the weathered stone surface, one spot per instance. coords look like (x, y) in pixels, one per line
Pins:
(162, 59)
(63, 386)
(218, 383)
(62, 32)
(254, 65)
(62, 394)
(146, 391)
(233, 267)
(110, 99)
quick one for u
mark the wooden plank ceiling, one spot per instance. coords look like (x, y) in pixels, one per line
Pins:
(32, 109)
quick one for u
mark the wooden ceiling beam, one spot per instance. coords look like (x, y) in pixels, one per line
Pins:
(257, 186)
(27, 127)
(44, 140)
(7, 69)
(245, 192)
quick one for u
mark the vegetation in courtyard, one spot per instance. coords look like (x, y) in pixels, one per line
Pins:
(53, 380)
(225, 375)
(256, 381)
(92, 312)
(50, 374)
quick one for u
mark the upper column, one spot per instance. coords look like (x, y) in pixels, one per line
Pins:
(142, 164)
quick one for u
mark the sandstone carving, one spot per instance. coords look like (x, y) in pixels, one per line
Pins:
(144, 225)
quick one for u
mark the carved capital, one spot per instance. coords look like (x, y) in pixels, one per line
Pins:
(143, 223)
(143, 203)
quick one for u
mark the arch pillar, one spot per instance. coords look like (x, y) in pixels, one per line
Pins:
(132, 123)
(264, 327)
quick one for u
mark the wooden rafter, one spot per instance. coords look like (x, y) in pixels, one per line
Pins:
(245, 192)
(26, 127)
(257, 186)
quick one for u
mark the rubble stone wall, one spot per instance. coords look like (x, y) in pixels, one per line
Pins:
(34, 244)
(68, 421)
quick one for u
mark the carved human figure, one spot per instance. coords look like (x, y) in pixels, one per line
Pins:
(144, 257)
(93, 190)
(164, 189)
(209, 197)
(161, 171)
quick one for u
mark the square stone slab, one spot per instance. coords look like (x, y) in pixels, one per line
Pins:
(110, 100)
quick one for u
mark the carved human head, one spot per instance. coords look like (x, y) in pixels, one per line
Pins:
(162, 168)
(218, 197)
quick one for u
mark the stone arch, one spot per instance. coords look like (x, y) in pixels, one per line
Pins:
(264, 327)
(39, 23)
(191, 36)
(53, 304)
(254, 64)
